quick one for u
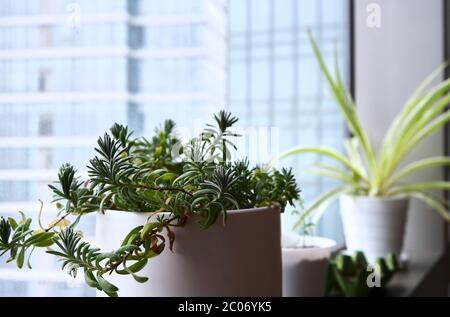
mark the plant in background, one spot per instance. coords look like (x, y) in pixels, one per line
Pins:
(351, 276)
(306, 227)
(362, 171)
(135, 174)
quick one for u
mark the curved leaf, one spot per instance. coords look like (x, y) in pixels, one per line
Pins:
(105, 285)
(320, 204)
(326, 152)
(420, 165)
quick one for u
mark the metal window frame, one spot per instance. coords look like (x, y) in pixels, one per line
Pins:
(446, 55)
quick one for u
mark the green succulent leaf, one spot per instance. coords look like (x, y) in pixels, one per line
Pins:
(90, 279)
(106, 286)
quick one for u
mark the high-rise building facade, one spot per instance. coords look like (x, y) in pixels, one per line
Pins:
(274, 79)
(69, 69)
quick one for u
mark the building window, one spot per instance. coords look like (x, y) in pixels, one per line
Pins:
(46, 36)
(274, 79)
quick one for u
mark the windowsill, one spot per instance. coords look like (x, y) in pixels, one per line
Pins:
(426, 274)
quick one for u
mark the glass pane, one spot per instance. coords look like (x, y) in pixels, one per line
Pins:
(260, 80)
(284, 17)
(297, 100)
(238, 80)
(238, 15)
(260, 17)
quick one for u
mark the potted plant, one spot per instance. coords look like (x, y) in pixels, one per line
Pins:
(159, 194)
(349, 275)
(374, 195)
(305, 261)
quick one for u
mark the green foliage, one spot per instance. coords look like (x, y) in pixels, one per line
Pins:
(17, 239)
(212, 198)
(141, 244)
(307, 229)
(157, 176)
(274, 186)
(363, 171)
(348, 275)
(219, 136)
(77, 198)
(157, 152)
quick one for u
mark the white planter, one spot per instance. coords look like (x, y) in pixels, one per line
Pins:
(305, 268)
(242, 258)
(375, 226)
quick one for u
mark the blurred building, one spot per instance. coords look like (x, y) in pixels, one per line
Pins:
(70, 69)
(274, 79)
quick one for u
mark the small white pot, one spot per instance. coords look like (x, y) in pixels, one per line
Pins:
(305, 266)
(375, 226)
(242, 258)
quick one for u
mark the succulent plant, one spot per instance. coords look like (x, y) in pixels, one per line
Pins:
(149, 176)
(353, 276)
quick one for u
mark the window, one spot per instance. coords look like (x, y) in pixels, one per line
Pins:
(61, 86)
(274, 79)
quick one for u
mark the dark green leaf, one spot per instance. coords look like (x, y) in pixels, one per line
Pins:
(106, 286)
(12, 223)
(139, 279)
(90, 279)
(131, 236)
(136, 267)
(39, 237)
(20, 258)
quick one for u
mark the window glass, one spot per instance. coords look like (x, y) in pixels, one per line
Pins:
(238, 15)
(299, 102)
(284, 17)
(260, 15)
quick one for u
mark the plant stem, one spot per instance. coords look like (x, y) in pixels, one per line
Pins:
(126, 256)
(56, 223)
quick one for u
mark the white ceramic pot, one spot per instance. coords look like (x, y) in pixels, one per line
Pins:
(305, 267)
(375, 226)
(242, 258)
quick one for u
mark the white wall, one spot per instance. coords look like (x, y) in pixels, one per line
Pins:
(390, 62)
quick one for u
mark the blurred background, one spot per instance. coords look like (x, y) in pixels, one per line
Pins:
(70, 69)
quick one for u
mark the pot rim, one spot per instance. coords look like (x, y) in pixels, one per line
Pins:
(375, 198)
(318, 243)
(237, 211)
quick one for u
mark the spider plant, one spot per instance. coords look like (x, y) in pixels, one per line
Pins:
(363, 171)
